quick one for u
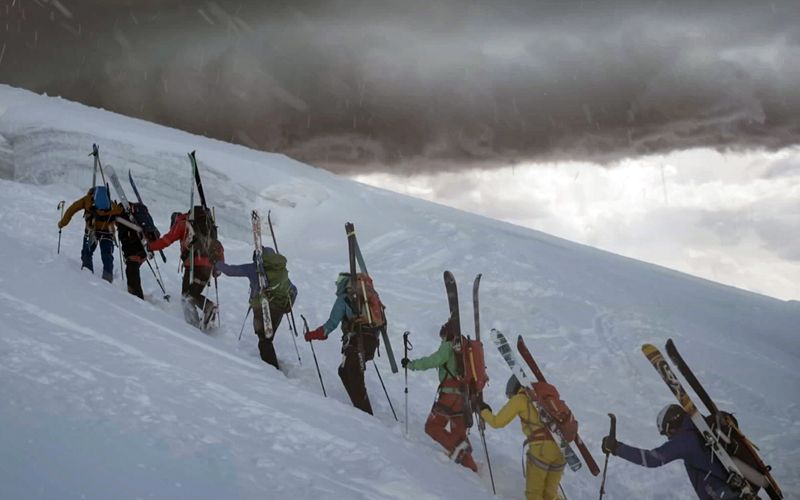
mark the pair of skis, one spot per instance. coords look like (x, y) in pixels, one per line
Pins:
(455, 318)
(512, 359)
(746, 476)
(112, 177)
(262, 275)
(198, 183)
(355, 257)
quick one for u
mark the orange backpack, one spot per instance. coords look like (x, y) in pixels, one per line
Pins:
(549, 399)
(369, 303)
(474, 366)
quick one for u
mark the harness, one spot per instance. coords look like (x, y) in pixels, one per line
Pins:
(538, 434)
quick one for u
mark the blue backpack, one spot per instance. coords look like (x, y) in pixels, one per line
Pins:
(100, 198)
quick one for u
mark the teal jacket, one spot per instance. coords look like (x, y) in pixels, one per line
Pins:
(340, 311)
(444, 359)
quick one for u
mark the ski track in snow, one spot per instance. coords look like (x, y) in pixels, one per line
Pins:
(96, 380)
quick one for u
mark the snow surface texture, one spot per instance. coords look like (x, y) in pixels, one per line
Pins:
(106, 396)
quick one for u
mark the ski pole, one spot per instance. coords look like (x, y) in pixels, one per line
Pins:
(293, 329)
(407, 346)
(216, 292)
(121, 262)
(319, 374)
(613, 433)
(60, 207)
(384, 389)
(249, 308)
(482, 431)
(158, 280)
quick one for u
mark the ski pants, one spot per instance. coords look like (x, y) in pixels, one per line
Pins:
(265, 347)
(448, 410)
(106, 242)
(543, 471)
(351, 371)
(133, 277)
(194, 291)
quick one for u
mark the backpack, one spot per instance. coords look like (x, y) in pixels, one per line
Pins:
(141, 216)
(371, 316)
(726, 426)
(279, 291)
(204, 231)
(474, 367)
(548, 398)
(100, 198)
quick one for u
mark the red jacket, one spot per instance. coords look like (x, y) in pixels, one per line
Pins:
(178, 232)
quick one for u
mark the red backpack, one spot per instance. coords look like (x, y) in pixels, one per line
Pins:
(369, 303)
(547, 396)
(474, 366)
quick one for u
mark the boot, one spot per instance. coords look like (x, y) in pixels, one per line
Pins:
(209, 315)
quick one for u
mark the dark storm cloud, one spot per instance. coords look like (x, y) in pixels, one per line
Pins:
(370, 85)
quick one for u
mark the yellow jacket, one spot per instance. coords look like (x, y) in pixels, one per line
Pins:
(541, 443)
(103, 220)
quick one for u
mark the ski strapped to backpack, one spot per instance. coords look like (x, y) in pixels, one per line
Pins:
(129, 212)
(369, 311)
(550, 425)
(476, 360)
(262, 276)
(101, 198)
(557, 408)
(726, 428)
(139, 199)
(736, 478)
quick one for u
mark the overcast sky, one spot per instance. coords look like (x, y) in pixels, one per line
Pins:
(465, 100)
(731, 218)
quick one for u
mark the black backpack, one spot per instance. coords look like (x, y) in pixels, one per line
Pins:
(142, 217)
(205, 232)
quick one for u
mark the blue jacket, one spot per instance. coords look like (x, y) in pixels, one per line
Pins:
(340, 311)
(705, 472)
(250, 271)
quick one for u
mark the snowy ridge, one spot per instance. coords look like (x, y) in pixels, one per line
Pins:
(98, 380)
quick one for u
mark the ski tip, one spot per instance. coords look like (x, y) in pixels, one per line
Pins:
(649, 349)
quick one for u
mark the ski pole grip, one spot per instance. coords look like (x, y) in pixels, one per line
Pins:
(613, 429)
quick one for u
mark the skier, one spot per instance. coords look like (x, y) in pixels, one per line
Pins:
(281, 294)
(131, 242)
(205, 254)
(706, 473)
(545, 462)
(449, 407)
(99, 215)
(358, 346)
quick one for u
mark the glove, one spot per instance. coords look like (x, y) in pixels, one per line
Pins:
(404, 362)
(484, 406)
(610, 445)
(318, 334)
(61, 224)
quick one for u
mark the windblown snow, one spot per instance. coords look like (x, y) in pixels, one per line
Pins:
(106, 396)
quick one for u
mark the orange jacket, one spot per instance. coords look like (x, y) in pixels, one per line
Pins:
(178, 232)
(103, 220)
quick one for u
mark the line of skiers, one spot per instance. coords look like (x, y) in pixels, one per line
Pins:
(450, 418)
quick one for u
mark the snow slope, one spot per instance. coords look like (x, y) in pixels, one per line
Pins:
(108, 396)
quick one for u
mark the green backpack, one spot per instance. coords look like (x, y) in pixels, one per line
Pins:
(278, 293)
